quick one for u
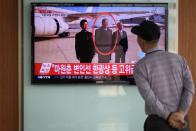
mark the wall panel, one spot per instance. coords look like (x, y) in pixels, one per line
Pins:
(9, 65)
(187, 46)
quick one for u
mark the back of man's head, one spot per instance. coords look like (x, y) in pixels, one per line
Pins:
(147, 30)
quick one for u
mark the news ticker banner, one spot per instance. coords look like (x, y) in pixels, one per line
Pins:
(98, 69)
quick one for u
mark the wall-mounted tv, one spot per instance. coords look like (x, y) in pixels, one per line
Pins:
(60, 55)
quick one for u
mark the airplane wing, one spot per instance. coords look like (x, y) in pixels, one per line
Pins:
(70, 15)
(76, 16)
(51, 21)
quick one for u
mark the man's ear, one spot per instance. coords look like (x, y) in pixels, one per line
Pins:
(142, 41)
(142, 44)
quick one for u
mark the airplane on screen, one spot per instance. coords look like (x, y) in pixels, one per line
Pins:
(53, 21)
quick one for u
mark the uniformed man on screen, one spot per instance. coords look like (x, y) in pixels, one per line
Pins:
(84, 46)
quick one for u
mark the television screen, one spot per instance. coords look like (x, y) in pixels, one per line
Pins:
(90, 42)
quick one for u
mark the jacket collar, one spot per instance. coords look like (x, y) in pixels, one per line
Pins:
(153, 50)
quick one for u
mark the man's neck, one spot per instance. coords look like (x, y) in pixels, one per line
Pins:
(149, 46)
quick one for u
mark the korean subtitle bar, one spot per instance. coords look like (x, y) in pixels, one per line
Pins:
(89, 69)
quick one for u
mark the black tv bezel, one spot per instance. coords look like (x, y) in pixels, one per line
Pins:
(83, 81)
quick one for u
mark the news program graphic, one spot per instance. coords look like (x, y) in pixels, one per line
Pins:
(115, 49)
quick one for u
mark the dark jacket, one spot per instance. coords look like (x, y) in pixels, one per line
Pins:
(84, 46)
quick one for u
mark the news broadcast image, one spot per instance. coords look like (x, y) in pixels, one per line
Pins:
(54, 34)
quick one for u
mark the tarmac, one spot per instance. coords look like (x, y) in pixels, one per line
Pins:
(62, 50)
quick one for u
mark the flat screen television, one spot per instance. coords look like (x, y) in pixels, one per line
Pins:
(54, 54)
